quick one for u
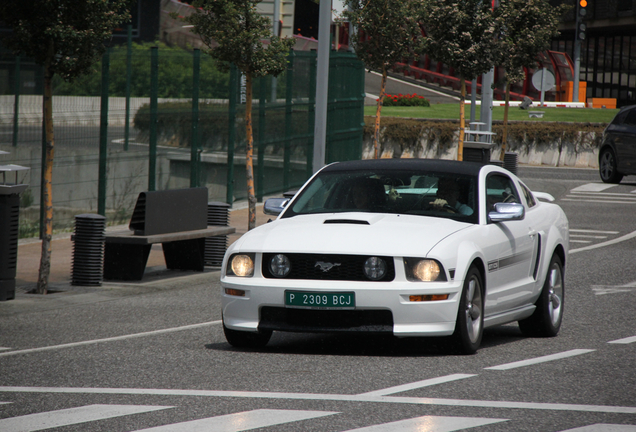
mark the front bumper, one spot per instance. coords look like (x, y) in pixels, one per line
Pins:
(380, 307)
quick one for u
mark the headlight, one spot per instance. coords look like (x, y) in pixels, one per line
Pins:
(241, 265)
(423, 270)
(375, 268)
(279, 265)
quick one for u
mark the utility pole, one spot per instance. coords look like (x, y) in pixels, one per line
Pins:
(579, 36)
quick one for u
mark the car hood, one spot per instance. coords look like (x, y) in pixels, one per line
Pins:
(350, 233)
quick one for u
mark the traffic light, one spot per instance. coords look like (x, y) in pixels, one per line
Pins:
(580, 17)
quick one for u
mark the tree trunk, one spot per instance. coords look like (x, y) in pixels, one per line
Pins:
(504, 136)
(462, 119)
(376, 131)
(45, 258)
(249, 152)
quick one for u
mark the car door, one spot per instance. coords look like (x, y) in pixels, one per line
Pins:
(510, 250)
(625, 143)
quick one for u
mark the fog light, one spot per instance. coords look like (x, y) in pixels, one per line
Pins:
(280, 265)
(426, 298)
(375, 268)
(235, 292)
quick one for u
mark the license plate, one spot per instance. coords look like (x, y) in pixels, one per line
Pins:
(315, 300)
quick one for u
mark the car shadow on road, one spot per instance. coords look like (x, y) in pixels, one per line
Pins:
(348, 344)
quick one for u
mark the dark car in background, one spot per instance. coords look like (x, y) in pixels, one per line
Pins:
(617, 155)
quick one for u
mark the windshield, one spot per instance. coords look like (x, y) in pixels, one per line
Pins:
(446, 195)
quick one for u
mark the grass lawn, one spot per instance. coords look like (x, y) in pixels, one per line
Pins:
(451, 111)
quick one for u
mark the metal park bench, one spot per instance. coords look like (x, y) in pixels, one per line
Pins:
(175, 218)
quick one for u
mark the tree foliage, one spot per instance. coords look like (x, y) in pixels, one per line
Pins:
(461, 34)
(235, 33)
(66, 37)
(525, 28)
(385, 32)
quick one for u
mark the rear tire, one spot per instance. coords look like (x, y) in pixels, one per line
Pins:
(469, 327)
(607, 167)
(547, 317)
(243, 339)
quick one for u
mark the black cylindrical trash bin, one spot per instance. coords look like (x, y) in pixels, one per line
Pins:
(510, 162)
(215, 247)
(9, 224)
(88, 250)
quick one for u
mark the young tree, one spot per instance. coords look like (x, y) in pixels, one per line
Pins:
(461, 34)
(235, 33)
(66, 37)
(525, 28)
(384, 32)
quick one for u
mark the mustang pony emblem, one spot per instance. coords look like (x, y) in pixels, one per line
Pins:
(326, 266)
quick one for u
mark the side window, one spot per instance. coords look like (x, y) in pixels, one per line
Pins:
(500, 188)
(630, 120)
(528, 196)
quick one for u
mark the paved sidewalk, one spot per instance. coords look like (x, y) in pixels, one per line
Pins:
(29, 252)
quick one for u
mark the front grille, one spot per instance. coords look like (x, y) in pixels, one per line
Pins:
(328, 267)
(321, 321)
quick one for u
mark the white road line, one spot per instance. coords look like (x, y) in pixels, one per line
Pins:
(587, 236)
(430, 424)
(593, 231)
(604, 194)
(71, 416)
(627, 340)
(241, 421)
(330, 397)
(579, 241)
(629, 236)
(416, 385)
(542, 359)
(4, 348)
(599, 201)
(603, 427)
(592, 187)
(110, 339)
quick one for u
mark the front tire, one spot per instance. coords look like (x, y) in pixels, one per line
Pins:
(607, 167)
(243, 339)
(547, 317)
(469, 327)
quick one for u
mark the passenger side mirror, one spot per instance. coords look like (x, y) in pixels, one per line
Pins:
(275, 206)
(506, 212)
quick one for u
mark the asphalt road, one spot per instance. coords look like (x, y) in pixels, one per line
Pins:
(130, 358)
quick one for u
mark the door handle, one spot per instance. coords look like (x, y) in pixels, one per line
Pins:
(532, 233)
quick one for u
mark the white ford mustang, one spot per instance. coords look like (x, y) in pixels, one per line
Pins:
(409, 247)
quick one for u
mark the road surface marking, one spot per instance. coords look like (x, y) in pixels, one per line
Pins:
(599, 201)
(587, 236)
(542, 359)
(601, 427)
(592, 231)
(72, 416)
(613, 289)
(627, 340)
(416, 385)
(430, 424)
(629, 236)
(330, 397)
(110, 339)
(241, 421)
(592, 187)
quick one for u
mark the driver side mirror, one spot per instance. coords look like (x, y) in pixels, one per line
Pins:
(506, 212)
(275, 206)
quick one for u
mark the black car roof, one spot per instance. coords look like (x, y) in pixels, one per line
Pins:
(432, 165)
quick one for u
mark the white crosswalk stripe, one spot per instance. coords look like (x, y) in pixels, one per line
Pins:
(596, 193)
(72, 416)
(242, 421)
(604, 428)
(430, 424)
